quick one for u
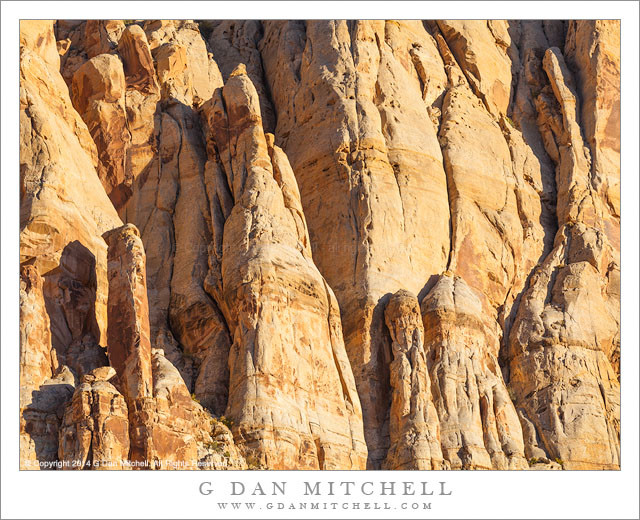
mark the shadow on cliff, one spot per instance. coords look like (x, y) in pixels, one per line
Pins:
(43, 417)
(548, 198)
(70, 300)
(384, 356)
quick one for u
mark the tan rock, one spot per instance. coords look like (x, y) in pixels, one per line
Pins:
(291, 393)
(138, 63)
(38, 36)
(564, 345)
(94, 433)
(167, 429)
(234, 42)
(564, 382)
(184, 435)
(41, 412)
(63, 206)
(479, 47)
(98, 93)
(479, 426)
(414, 428)
(169, 204)
(102, 36)
(484, 150)
(38, 361)
(593, 48)
(359, 99)
(129, 346)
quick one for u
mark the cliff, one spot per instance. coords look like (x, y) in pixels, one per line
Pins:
(320, 245)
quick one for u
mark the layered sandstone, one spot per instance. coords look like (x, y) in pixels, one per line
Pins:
(478, 422)
(64, 209)
(167, 428)
(564, 345)
(382, 244)
(414, 427)
(291, 391)
(129, 346)
(95, 430)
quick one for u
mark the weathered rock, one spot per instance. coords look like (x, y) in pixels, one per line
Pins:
(98, 90)
(169, 204)
(38, 361)
(564, 344)
(79, 41)
(414, 428)
(351, 89)
(291, 392)
(167, 429)
(184, 435)
(593, 48)
(479, 47)
(64, 208)
(41, 412)
(479, 426)
(102, 36)
(138, 63)
(234, 42)
(564, 384)
(129, 346)
(484, 150)
(95, 430)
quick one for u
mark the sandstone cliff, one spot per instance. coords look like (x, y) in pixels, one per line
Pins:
(346, 244)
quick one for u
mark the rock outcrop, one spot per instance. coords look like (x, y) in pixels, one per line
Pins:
(414, 427)
(95, 430)
(327, 244)
(479, 426)
(167, 428)
(98, 90)
(564, 345)
(129, 346)
(288, 370)
(64, 208)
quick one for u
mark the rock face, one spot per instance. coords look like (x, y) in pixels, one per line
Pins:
(129, 347)
(565, 342)
(64, 208)
(63, 211)
(288, 370)
(97, 91)
(166, 427)
(478, 422)
(414, 427)
(95, 429)
(346, 244)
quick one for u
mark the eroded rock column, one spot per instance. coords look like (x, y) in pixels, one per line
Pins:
(414, 428)
(291, 390)
(479, 426)
(129, 347)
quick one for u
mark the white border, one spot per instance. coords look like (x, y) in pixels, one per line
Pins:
(170, 495)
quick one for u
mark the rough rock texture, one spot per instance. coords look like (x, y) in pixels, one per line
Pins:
(37, 360)
(64, 209)
(63, 212)
(349, 243)
(414, 427)
(291, 391)
(351, 88)
(95, 430)
(167, 428)
(565, 343)
(478, 422)
(129, 347)
(97, 92)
